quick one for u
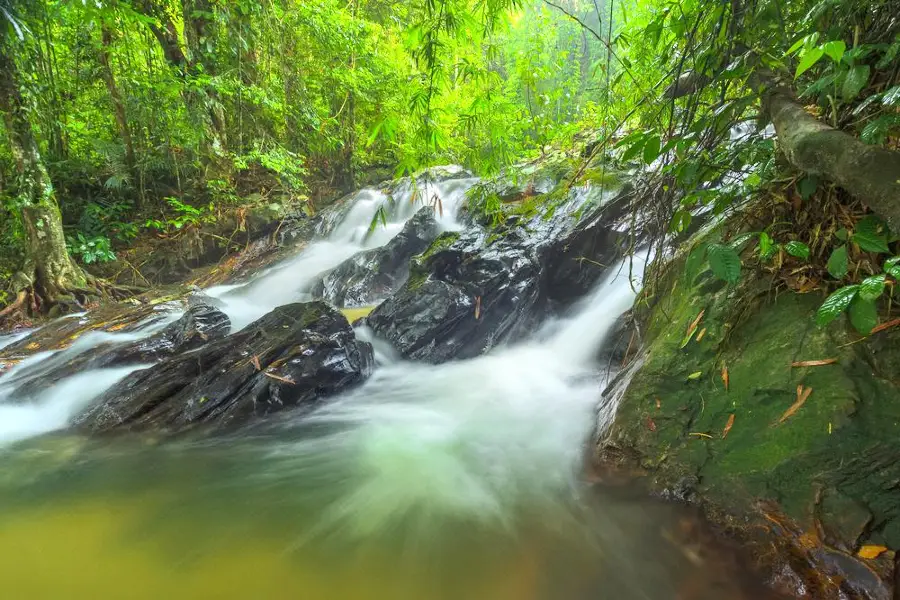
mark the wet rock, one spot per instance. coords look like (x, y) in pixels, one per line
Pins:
(372, 275)
(470, 292)
(460, 300)
(292, 357)
(200, 324)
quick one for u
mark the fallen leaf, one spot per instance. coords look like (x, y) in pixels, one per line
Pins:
(691, 329)
(725, 377)
(658, 404)
(870, 552)
(705, 435)
(802, 395)
(728, 426)
(477, 307)
(279, 378)
(650, 424)
(815, 363)
(695, 322)
(255, 361)
(886, 325)
(695, 375)
(32, 346)
(701, 334)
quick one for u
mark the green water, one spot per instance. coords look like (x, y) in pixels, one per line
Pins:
(238, 519)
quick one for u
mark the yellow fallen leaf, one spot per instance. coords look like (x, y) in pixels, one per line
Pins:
(701, 334)
(725, 377)
(32, 346)
(871, 551)
(802, 395)
(814, 363)
(728, 426)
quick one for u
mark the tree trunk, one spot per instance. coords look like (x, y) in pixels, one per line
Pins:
(116, 97)
(198, 28)
(870, 173)
(49, 270)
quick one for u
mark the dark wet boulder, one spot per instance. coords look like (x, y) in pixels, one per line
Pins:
(468, 293)
(200, 324)
(292, 357)
(371, 275)
(461, 299)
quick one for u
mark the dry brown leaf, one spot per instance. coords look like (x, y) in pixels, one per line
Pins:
(255, 361)
(887, 325)
(701, 334)
(280, 378)
(725, 377)
(870, 552)
(477, 307)
(814, 363)
(728, 426)
(802, 395)
(694, 323)
(650, 424)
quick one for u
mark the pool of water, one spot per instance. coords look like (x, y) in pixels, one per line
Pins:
(239, 518)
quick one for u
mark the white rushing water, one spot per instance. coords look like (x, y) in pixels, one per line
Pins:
(291, 280)
(471, 438)
(468, 439)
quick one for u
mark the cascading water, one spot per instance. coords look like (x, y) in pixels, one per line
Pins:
(453, 481)
(371, 220)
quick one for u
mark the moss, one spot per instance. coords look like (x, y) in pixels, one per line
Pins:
(852, 412)
(441, 242)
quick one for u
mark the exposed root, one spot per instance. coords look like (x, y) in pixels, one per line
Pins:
(15, 307)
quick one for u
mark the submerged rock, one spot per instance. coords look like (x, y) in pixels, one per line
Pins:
(371, 275)
(292, 357)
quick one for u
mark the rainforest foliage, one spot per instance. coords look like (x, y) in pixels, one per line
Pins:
(126, 118)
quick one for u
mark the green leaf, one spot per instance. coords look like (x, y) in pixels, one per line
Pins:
(872, 287)
(835, 304)
(740, 241)
(798, 249)
(863, 315)
(695, 375)
(838, 264)
(855, 81)
(891, 96)
(766, 247)
(809, 57)
(651, 149)
(797, 45)
(807, 186)
(724, 262)
(634, 150)
(693, 264)
(842, 234)
(871, 234)
(835, 49)
(891, 263)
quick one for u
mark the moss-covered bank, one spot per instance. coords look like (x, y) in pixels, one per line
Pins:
(819, 482)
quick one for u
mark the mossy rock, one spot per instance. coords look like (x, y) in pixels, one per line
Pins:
(832, 464)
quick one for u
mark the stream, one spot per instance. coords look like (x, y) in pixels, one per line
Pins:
(457, 481)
